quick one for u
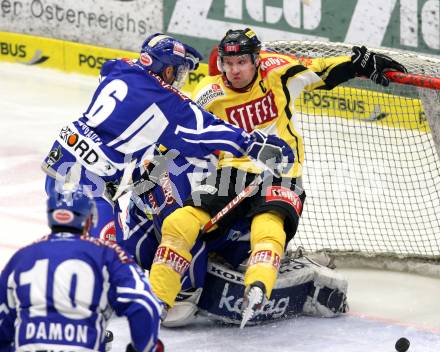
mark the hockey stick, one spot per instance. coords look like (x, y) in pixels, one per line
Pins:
(125, 182)
(414, 80)
(249, 189)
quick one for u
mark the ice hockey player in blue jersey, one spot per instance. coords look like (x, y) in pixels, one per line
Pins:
(58, 293)
(135, 107)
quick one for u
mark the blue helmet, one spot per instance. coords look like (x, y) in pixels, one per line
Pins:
(160, 51)
(70, 207)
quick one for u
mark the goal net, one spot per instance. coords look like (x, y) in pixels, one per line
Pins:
(372, 162)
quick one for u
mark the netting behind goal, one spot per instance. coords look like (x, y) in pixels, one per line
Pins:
(372, 170)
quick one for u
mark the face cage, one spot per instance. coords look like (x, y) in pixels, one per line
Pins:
(180, 74)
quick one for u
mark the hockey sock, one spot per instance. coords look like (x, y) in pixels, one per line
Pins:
(173, 257)
(267, 243)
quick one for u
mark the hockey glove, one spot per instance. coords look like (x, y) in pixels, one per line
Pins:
(193, 57)
(271, 151)
(373, 65)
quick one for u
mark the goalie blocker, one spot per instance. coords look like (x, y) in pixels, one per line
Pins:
(304, 287)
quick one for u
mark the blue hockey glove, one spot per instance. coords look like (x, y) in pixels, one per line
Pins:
(374, 65)
(271, 151)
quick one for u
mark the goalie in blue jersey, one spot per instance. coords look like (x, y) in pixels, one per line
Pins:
(136, 106)
(58, 293)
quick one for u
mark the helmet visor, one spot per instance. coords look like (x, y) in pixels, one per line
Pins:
(180, 75)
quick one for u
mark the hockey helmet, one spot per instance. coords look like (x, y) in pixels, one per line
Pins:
(160, 51)
(70, 206)
(240, 42)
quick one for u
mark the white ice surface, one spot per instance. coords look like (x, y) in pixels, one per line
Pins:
(35, 103)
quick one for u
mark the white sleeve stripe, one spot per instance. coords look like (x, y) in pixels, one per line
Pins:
(148, 308)
(140, 285)
(198, 114)
(4, 308)
(146, 294)
(219, 141)
(138, 226)
(103, 306)
(211, 128)
(99, 331)
(199, 122)
(138, 301)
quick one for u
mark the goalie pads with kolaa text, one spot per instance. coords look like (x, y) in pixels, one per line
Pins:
(303, 287)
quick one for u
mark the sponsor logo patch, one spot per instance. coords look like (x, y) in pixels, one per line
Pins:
(63, 216)
(80, 146)
(167, 187)
(166, 255)
(153, 203)
(253, 113)
(232, 48)
(179, 49)
(267, 64)
(145, 59)
(283, 194)
(108, 232)
(214, 91)
(265, 257)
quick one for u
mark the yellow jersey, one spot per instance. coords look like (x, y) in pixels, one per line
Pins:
(268, 105)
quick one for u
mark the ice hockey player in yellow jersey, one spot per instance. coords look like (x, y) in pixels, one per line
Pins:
(256, 90)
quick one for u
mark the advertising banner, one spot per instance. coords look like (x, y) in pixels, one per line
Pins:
(58, 54)
(69, 56)
(124, 24)
(404, 24)
(111, 23)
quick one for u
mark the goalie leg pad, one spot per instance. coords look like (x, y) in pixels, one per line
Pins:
(222, 296)
(302, 287)
(184, 310)
(328, 296)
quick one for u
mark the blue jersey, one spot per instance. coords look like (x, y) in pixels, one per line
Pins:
(146, 213)
(58, 294)
(131, 112)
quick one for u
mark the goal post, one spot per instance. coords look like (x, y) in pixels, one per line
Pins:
(372, 163)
